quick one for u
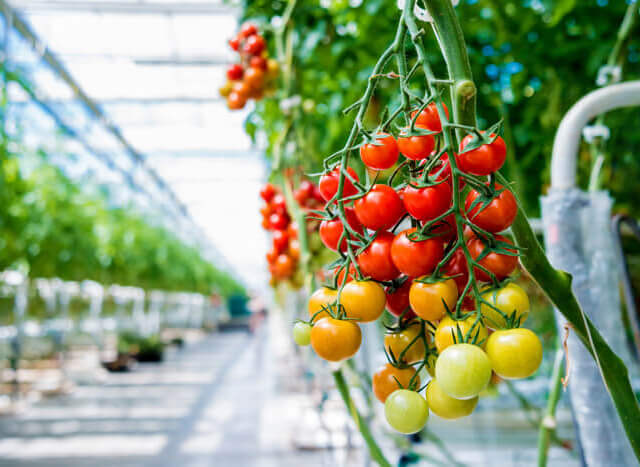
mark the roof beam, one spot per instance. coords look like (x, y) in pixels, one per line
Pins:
(123, 7)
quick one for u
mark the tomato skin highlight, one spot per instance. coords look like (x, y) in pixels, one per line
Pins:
(384, 380)
(445, 406)
(416, 147)
(376, 261)
(380, 209)
(409, 341)
(463, 371)
(382, 155)
(509, 299)
(416, 258)
(426, 299)
(322, 297)
(514, 353)
(448, 327)
(497, 216)
(335, 340)
(427, 203)
(406, 411)
(328, 184)
(363, 300)
(483, 160)
(499, 264)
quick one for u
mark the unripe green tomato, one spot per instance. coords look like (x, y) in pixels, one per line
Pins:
(510, 299)
(514, 353)
(406, 411)
(302, 333)
(463, 370)
(315, 243)
(308, 105)
(445, 406)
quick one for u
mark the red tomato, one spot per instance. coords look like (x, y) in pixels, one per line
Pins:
(429, 117)
(267, 192)
(247, 29)
(254, 45)
(416, 147)
(279, 203)
(376, 262)
(329, 184)
(483, 160)
(398, 300)
(456, 269)
(380, 208)
(500, 265)
(352, 274)
(271, 256)
(280, 240)
(258, 62)
(234, 43)
(278, 221)
(331, 230)
(427, 203)
(382, 154)
(497, 216)
(283, 266)
(304, 192)
(446, 229)
(235, 72)
(416, 258)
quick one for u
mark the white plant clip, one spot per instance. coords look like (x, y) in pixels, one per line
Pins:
(421, 13)
(609, 74)
(591, 132)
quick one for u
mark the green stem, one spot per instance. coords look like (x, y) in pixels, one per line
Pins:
(548, 421)
(374, 450)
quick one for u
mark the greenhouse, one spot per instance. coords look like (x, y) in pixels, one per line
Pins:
(319, 233)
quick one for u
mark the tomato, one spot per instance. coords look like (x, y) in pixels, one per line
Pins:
(273, 68)
(463, 371)
(497, 216)
(408, 345)
(278, 221)
(456, 268)
(380, 209)
(501, 265)
(483, 160)
(514, 353)
(382, 154)
(428, 300)
(271, 255)
(416, 258)
(352, 274)
(427, 203)
(376, 261)
(386, 379)
(235, 72)
(279, 203)
(511, 300)
(328, 184)
(398, 300)
(321, 298)
(258, 62)
(304, 192)
(416, 147)
(406, 411)
(302, 333)
(283, 266)
(247, 29)
(363, 300)
(294, 249)
(280, 240)
(429, 117)
(241, 88)
(334, 339)
(267, 192)
(234, 43)
(225, 89)
(469, 328)
(445, 406)
(331, 230)
(254, 45)
(254, 77)
(236, 101)
(446, 229)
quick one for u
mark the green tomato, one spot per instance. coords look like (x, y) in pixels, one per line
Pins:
(302, 333)
(510, 300)
(463, 370)
(514, 353)
(445, 406)
(406, 411)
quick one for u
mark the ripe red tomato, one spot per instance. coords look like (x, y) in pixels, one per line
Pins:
(456, 269)
(398, 300)
(429, 117)
(382, 154)
(280, 240)
(235, 72)
(254, 45)
(497, 216)
(329, 184)
(331, 230)
(278, 220)
(236, 101)
(247, 29)
(279, 203)
(234, 43)
(416, 147)
(376, 262)
(427, 203)
(483, 160)
(446, 229)
(304, 192)
(380, 208)
(258, 62)
(416, 258)
(499, 264)
(271, 255)
(351, 276)
(267, 192)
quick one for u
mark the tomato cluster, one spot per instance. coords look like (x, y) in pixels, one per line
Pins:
(440, 268)
(255, 73)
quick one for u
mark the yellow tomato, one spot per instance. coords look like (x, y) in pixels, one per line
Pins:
(445, 406)
(408, 345)
(514, 353)
(448, 328)
(427, 299)
(363, 300)
(322, 297)
(511, 300)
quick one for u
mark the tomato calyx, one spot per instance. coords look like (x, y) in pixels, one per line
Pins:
(472, 335)
(480, 138)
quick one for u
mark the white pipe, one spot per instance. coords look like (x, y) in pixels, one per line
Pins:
(567, 140)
